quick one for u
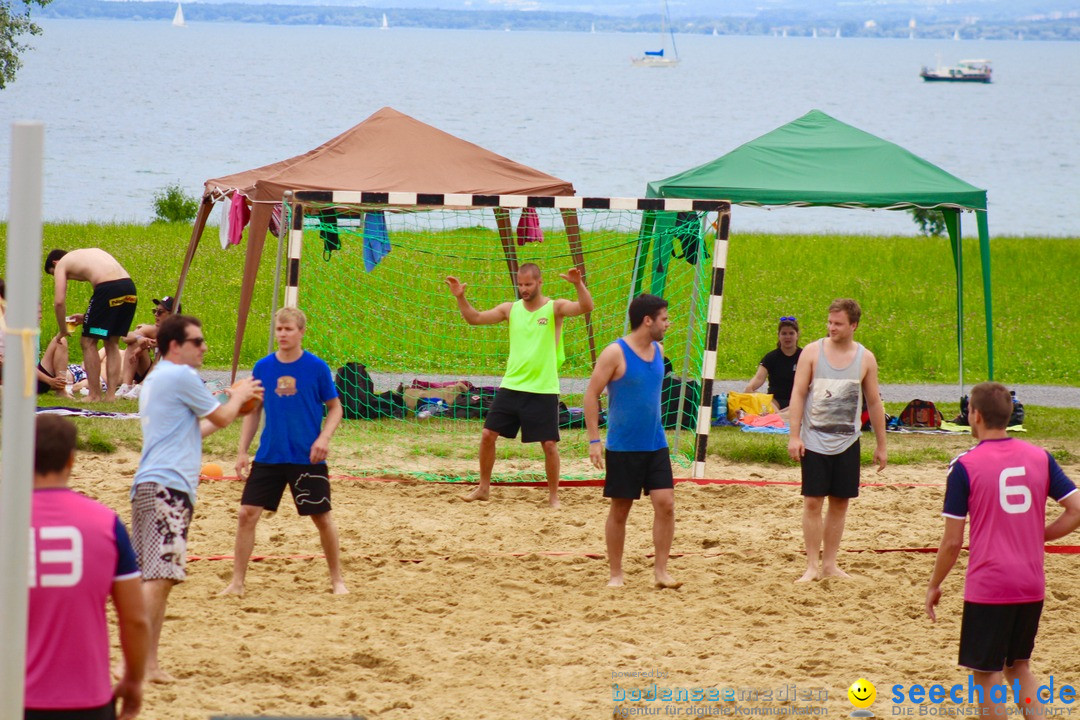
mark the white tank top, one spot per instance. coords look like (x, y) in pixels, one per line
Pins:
(833, 405)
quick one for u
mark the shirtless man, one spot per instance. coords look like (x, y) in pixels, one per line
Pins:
(833, 376)
(108, 316)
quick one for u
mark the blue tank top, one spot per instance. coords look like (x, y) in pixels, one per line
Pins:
(634, 408)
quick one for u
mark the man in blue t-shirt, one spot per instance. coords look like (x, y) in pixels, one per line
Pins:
(293, 447)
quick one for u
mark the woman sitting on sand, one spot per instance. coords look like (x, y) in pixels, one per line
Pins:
(779, 365)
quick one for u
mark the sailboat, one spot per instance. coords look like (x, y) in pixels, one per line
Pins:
(656, 58)
(178, 18)
(385, 25)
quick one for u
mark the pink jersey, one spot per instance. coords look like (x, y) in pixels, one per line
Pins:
(1002, 486)
(78, 548)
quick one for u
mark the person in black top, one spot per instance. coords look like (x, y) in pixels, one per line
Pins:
(779, 365)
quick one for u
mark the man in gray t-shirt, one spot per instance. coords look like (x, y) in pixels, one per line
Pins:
(833, 376)
(171, 404)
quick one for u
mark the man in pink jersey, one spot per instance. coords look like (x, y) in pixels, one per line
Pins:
(1002, 484)
(80, 556)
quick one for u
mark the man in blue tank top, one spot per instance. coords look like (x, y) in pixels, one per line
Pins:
(832, 377)
(632, 370)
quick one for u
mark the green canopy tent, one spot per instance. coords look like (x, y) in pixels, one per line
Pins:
(820, 161)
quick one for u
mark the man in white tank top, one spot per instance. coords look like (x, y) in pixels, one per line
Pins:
(832, 377)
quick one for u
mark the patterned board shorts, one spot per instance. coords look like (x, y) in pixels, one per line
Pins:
(160, 518)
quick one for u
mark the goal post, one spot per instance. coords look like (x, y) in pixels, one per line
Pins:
(369, 269)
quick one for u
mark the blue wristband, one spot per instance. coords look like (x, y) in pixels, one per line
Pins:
(593, 442)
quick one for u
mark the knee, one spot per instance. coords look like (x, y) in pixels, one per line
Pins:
(550, 447)
(323, 521)
(488, 437)
(249, 516)
(812, 505)
(664, 507)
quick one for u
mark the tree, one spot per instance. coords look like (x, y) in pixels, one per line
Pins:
(15, 21)
(931, 222)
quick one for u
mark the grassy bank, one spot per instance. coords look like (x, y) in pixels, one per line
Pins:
(905, 285)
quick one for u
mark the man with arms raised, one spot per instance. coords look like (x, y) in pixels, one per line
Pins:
(172, 401)
(108, 316)
(1002, 484)
(293, 447)
(80, 556)
(528, 397)
(632, 370)
(833, 376)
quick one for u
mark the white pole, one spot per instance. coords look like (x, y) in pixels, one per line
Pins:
(20, 396)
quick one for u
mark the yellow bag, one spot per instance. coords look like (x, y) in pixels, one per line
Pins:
(748, 403)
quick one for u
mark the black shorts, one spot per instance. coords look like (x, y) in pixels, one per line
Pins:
(832, 475)
(536, 414)
(42, 386)
(993, 637)
(111, 310)
(629, 472)
(105, 712)
(309, 485)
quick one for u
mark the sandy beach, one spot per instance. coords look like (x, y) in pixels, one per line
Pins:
(500, 610)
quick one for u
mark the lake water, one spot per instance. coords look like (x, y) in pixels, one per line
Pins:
(132, 106)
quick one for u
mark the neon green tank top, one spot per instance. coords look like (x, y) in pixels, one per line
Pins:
(535, 353)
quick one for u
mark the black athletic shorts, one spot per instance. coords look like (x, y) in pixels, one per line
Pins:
(309, 485)
(630, 472)
(993, 637)
(832, 475)
(111, 309)
(536, 414)
(105, 712)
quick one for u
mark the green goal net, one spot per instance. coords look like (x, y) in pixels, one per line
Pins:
(415, 378)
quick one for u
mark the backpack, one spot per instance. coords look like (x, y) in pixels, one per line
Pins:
(688, 232)
(921, 413)
(354, 387)
(670, 390)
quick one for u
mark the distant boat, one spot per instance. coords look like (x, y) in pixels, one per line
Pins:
(593, 29)
(178, 18)
(977, 71)
(956, 35)
(385, 25)
(656, 58)
(714, 32)
(814, 33)
(837, 32)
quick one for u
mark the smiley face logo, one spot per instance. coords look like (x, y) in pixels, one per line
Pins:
(862, 694)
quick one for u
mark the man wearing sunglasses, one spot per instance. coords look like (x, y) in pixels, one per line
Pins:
(172, 401)
(141, 352)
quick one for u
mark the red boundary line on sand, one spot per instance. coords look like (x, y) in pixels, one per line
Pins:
(579, 483)
(1051, 549)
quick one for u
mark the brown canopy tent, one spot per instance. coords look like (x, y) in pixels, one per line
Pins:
(387, 152)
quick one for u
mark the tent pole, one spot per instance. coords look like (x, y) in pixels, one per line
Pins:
(506, 236)
(708, 361)
(952, 223)
(641, 257)
(196, 234)
(286, 203)
(573, 239)
(988, 303)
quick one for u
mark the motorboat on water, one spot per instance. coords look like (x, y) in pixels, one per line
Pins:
(977, 71)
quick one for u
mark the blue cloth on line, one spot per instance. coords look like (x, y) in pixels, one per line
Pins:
(376, 239)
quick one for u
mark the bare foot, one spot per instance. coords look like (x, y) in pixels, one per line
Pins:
(615, 581)
(810, 575)
(553, 501)
(339, 588)
(233, 588)
(159, 676)
(835, 572)
(89, 399)
(477, 494)
(666, 582)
